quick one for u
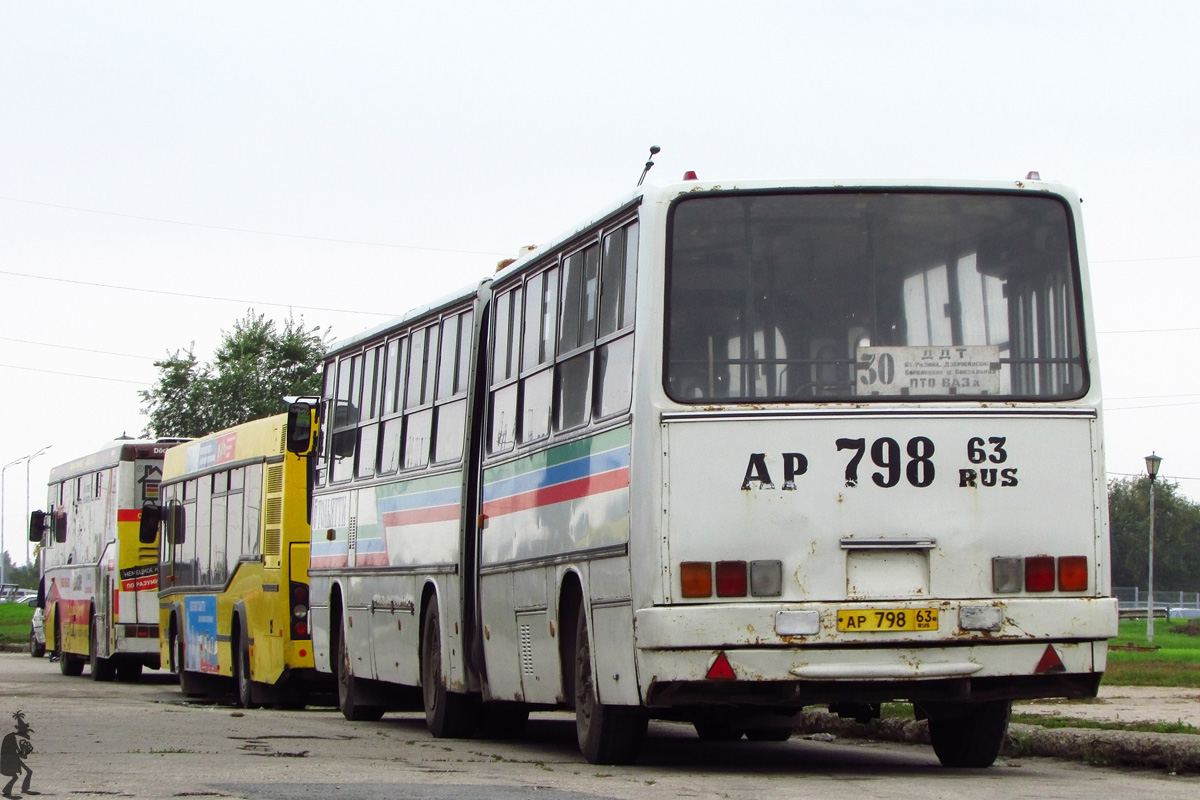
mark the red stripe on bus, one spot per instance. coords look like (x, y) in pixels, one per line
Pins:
(129, 515)
(371, 559)
(146, 583)
(561, 492)
(416, 516)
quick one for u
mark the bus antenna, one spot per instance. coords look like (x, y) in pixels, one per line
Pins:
(654, 150)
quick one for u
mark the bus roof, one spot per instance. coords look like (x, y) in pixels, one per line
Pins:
(250, 441)
(349, 343)
(114, 453)
(666, 192)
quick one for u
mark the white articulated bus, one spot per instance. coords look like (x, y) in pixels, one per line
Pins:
(725, 451)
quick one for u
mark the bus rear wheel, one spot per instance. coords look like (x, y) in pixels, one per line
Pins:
(347, 686)
(241, 672)
(188, 684)
(607, 734)
(103, 669)
(969, 735)
(447, 714)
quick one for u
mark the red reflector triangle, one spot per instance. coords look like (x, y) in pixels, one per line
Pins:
(721, 669)
(1050, 662)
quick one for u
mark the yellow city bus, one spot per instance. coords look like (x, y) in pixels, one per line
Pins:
(98, 583)
(233, 575)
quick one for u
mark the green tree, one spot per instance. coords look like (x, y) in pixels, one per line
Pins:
(255, 366)
(25, 576)
(1176, 535)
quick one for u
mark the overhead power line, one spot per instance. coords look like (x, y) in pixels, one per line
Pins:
(195, 296)
(80, 349)
(76, 375)
(252, 230)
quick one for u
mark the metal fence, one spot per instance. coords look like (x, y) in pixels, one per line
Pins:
(1131, 599)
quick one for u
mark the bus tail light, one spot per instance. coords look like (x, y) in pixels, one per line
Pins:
(298, 596)
(731, 579)
(766, 578)
(1039, 574)
(141, 631)
(1072, 574)
(696, 578)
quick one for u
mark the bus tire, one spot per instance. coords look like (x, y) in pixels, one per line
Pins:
(188, 684)
(241, 672)
(969, 735)
(607, 734)
(68, 664)
(102, 669)
(349, 702)
(448, 715)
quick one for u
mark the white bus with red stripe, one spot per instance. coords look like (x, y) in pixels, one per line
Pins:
(99, 580)
(725, 451)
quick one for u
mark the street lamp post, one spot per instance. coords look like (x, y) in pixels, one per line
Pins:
(1152, 462)
(13, 463)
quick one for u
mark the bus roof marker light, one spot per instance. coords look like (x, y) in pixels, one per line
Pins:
(1033, 175)
(690, 175)
(721, 669)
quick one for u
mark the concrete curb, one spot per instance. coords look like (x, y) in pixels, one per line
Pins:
(1174, 752)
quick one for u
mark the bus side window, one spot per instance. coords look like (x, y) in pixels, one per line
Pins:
(614, 354)
(537, 389)
(506, 351)
(345, 418)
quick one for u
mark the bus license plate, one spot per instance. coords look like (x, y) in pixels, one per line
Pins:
(878, 619)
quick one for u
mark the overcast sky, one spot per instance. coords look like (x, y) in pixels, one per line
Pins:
(164, 167)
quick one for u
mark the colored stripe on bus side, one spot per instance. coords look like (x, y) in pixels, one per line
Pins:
(574, 471)
(559, 493)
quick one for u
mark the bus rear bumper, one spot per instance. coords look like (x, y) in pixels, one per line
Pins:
(960, 622)
(1059, 651)
(794, 695)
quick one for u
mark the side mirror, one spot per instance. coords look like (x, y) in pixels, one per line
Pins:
(175, 515)
(301, 428)
(148, 525)
(37, 525)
